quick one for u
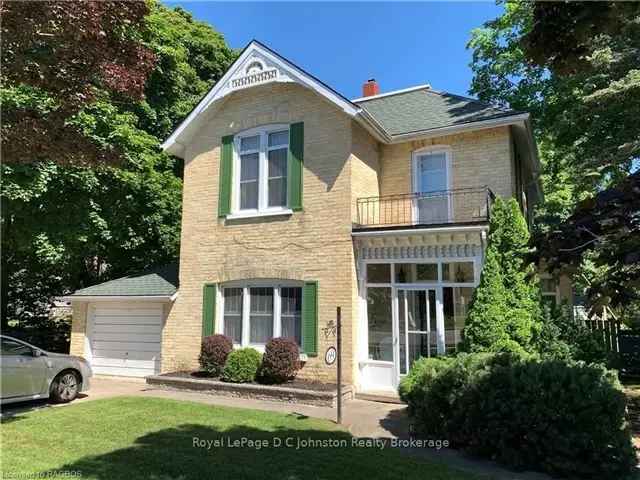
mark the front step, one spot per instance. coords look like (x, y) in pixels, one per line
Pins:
(381, 397)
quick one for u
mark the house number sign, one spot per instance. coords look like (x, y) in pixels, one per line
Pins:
(330, 356)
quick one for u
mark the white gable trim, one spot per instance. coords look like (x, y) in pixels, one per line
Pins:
(275, 69)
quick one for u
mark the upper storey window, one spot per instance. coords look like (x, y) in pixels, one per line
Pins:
(262, 183)
(265, 172)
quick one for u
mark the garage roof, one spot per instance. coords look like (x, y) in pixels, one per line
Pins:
(160, 281)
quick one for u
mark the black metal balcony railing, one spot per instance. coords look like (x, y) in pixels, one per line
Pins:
(465, 205)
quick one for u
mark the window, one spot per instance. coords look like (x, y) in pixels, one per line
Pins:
(549, 291)
(456, 302)
(233, 314)
(416, 272)
(380, 324)
(253, 314)
(458, 272)
(260, 315)
(261, 185)
(378, 273)
(11, 347)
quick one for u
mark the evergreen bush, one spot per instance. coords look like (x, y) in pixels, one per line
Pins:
(242, 365)
(505, 314)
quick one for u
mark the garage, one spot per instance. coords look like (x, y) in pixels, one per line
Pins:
(125, 338)
(117, 325)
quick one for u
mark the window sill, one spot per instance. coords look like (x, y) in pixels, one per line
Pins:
(264, 213)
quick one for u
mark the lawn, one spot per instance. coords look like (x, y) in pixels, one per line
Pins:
(130, 438)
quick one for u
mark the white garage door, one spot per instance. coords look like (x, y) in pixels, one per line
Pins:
(125, 338)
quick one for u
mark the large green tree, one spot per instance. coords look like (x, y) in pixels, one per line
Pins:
(576, 67)
(67, 225)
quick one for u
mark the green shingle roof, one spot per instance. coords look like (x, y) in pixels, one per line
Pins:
(160, 281)
(426, 109)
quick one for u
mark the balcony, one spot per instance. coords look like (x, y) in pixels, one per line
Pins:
(417, 210)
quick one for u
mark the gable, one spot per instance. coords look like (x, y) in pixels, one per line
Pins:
(256, 65)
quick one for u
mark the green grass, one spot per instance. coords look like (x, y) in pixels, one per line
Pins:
(130, 438)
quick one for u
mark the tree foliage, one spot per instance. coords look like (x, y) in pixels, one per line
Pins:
(65, 226)
(505, 310)
(576, 67)
(57, 56)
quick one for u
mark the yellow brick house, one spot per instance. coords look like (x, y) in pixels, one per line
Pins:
(297, 201)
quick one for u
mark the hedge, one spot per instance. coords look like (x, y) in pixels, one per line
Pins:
(565, 418)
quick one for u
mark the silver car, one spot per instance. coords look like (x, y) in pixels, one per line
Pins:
(29, 373)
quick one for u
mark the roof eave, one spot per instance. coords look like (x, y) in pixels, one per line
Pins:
(112, 298)
(464, 127)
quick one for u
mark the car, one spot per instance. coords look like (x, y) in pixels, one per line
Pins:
(29, 373)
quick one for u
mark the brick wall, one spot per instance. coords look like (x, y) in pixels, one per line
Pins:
(78, 328)
(481, 157)
(311, 245)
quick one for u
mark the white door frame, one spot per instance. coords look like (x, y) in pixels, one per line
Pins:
(439, 322)
(415, 178)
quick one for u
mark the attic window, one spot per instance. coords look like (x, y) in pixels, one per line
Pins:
(254, 67)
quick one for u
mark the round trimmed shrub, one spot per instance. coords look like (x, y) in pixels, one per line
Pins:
(242, 365)
(565, 418)
(280, 362)
(214, 352)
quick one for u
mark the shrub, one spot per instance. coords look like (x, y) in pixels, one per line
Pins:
(242, 365)
(214, 352)
(566, 418)
(280, 362)
(564, 338)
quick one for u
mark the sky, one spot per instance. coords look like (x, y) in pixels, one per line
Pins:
(344, 44)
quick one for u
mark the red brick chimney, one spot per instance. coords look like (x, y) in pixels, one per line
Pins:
(370, 88)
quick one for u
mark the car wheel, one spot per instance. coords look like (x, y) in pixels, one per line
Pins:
(65, 387)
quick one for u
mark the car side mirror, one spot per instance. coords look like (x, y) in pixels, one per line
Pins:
(36, 353)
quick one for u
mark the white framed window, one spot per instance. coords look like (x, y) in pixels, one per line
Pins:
(549, 290)
(432, 183)
(254, 312)
(260, 166)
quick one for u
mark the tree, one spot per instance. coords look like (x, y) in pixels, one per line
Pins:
(576, 67)
(56, 58)
(563, 63)
(505, 310)
(605, 229)
(65, 226)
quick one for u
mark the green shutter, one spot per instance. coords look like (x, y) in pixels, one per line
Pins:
(294, 165)
(310, 318)
(226, 169)
(208, 309)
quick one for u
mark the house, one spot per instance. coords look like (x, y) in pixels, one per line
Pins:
(297, 201)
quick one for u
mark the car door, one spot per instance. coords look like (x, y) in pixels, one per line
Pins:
(22, 373)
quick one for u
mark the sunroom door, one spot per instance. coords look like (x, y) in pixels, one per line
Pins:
(431, 184)
(417, 326)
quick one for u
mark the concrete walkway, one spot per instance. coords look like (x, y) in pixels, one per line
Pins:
(361, 417)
